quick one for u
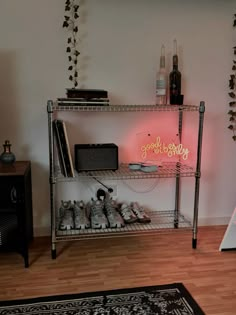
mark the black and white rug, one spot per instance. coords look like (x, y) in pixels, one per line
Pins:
(171, 299)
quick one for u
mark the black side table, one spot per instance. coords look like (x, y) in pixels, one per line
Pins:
(16, 218)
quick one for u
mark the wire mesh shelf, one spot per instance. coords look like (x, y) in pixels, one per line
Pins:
(161, 221)
(72, 106)
(166, 170)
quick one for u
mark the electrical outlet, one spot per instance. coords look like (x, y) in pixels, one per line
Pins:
(113, 187)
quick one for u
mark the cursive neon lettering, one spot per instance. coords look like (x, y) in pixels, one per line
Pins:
(170, 149)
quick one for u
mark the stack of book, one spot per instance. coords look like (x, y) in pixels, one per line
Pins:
(63, 148)
(84, 97)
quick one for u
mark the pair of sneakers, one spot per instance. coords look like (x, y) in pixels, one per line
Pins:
(113, 216)
(73, 216)
(134, 213)
(104, 214)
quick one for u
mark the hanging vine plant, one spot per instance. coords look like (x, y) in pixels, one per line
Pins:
(71, 24)
(232, 92)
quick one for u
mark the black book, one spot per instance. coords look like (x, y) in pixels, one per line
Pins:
(59, 149)
(83, 101)
(64, 149)
(87, 93)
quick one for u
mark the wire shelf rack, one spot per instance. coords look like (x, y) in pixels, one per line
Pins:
(72, 106)
(161, 221)
(166, 170)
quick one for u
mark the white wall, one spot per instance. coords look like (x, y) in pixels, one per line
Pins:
(120, 45)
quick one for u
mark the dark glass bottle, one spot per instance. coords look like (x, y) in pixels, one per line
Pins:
(175, 79)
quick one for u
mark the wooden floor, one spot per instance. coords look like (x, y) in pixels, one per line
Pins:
(93, 265)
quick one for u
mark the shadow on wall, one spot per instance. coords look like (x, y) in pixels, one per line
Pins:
(213, 165)
(41, 199)
(9, 111)
(11, 120)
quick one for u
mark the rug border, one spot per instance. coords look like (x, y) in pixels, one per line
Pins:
(55, 298)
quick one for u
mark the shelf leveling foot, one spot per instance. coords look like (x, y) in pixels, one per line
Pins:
(194, 243)
(54, 254)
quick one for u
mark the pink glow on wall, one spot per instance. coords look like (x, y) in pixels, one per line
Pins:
(157, 140)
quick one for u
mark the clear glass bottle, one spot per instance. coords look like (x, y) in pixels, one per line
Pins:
(175, 78)
(161, 80)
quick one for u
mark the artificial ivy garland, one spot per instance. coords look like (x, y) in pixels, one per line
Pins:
(71, 23)
(232, 93)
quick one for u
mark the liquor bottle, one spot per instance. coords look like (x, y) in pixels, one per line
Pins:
(175, 79)
(161, 80)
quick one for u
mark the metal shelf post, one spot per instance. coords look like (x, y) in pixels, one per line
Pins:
(198, 174)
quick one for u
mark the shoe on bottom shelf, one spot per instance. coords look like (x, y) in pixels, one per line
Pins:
(127, 214)
(66, 216)
(113, 216)
(140, 213)
(80, 216)
(97, 215)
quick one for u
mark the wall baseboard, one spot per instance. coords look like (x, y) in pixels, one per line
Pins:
(213, 221)
(42, 231)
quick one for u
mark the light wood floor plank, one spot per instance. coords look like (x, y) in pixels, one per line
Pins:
(94, 265)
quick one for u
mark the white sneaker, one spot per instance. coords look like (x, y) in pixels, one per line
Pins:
(66, 214)
(127, 214)
(97, 216)
(80, 216)
(114, 218)
(140, 213)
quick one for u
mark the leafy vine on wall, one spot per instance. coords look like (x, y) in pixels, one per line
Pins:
(71, 24)
(232, 93)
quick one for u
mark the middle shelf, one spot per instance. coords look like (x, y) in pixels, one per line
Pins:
(165, 170)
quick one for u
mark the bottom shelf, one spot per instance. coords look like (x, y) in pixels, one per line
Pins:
(161, 221)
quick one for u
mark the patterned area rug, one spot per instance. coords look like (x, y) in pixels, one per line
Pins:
(171, 299)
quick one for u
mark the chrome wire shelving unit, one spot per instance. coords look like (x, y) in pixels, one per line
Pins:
(161, 220)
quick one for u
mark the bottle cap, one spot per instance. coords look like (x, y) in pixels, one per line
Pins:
(162, 58)
(175, 47)
(175, 55)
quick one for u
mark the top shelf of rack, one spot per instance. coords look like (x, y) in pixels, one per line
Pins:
(53, 106)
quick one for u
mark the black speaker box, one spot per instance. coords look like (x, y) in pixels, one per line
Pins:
(96, 157)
